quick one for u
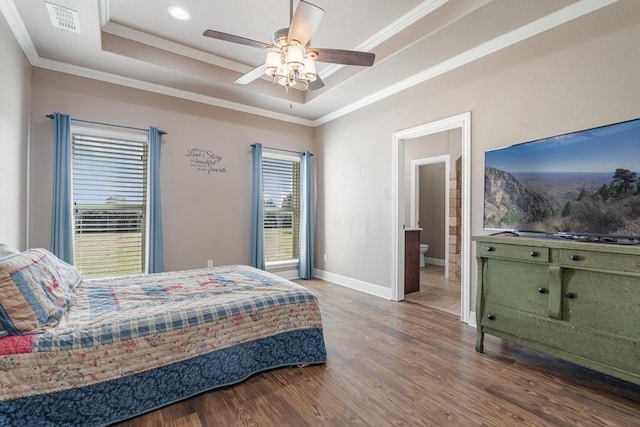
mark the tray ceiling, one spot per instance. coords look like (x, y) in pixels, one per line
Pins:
(138, 44)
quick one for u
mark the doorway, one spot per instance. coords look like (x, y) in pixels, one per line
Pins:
(462, 122)
(431, 179)
(430, 172)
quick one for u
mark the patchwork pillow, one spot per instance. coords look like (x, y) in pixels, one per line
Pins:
(5, 251)
(36, 289)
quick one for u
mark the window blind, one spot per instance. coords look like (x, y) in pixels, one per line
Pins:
(109, 205)
(281, 197)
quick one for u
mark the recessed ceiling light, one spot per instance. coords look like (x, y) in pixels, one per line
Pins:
(180, 13)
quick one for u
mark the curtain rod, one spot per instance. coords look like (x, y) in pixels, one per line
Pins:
(109, 124)
(281, 149)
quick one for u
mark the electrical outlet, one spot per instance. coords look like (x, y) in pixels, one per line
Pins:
(210, 263)
(325, 257)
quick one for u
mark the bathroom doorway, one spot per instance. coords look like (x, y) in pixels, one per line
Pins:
(463, 169)
(430, 197)
(429, 203)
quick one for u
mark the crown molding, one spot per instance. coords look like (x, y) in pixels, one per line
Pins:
(409, 18)
(8, 9)
(165, 90)
(173, 47)
(555, 19)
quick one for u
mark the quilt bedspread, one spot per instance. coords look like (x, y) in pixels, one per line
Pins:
(166, 336)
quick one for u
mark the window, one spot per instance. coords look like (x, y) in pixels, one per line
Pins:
(281, 198)
(109, 188)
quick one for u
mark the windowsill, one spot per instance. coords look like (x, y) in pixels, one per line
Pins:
(120, 276)
(282, 264)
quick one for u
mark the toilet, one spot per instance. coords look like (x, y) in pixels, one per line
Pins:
(423, 253)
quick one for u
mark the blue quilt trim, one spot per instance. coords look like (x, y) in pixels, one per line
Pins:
(126, 397)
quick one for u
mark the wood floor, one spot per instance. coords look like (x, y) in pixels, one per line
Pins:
(393, 363)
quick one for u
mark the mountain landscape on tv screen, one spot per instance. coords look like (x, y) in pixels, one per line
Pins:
(577, 203)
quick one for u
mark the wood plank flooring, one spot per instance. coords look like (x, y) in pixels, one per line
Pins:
(404, 364)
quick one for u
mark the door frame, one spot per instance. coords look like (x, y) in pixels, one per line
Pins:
(415, 198)
(463, 122)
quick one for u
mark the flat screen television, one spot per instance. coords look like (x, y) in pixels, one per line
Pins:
(581, 185)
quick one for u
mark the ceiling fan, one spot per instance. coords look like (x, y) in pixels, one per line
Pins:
(290, 61)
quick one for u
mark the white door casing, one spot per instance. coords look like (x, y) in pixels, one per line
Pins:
(462, 121)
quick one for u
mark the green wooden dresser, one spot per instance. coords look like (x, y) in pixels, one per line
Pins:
(574, 300)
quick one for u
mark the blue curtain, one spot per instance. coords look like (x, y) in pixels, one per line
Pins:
(257, 214)
(156, 264)
(61, 217)
(305, 264)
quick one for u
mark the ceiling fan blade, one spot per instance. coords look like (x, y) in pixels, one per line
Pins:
(252, 75)
(345, 57)
(316, 84)
(304, 22)
(234, 39)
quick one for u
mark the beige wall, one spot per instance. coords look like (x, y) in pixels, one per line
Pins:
(15, 87)
(205, 216)
(424, 147)
(582, 74)
(579, 75)
(432, 209)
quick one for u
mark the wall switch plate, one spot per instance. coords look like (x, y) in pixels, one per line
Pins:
(210, 263)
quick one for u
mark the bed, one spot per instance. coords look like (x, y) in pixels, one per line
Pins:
(95, 352)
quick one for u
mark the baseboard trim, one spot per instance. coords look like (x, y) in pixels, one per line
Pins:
(358, 285)
(370, 288)
(289, 274)
(434, 261)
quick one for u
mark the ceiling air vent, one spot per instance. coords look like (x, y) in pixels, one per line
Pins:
(63, 17)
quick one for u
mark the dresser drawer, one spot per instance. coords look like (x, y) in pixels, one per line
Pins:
(519, 253)
(600, 260)
(500, 318)
(513, 322)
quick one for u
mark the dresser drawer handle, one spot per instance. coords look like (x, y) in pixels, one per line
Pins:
(490, 249)
(534, 253)
(570, 295)
(542, 290)
(490, 316)
(575, 257)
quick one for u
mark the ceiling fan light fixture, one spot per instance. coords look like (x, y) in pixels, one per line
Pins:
(290, 60)
(294, 57)
(286, 82)
(291, 65)
(310, 73)
(273, 62)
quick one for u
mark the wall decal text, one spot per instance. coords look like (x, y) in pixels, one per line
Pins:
(205, 161)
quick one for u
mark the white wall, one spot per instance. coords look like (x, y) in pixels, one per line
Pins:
(580, 75)
(15, 87)
(205, 216)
